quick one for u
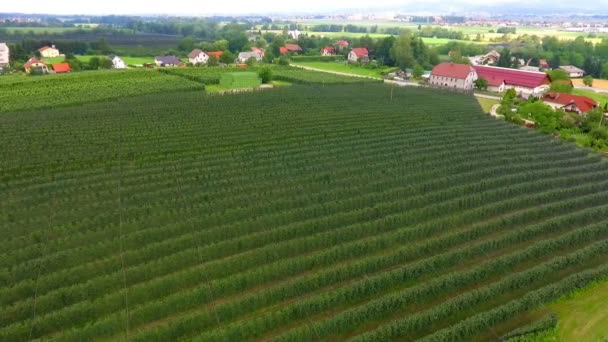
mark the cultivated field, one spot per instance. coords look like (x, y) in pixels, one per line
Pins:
(304, 213)
(597, 83)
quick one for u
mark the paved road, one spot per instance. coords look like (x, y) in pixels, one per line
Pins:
(595, 90)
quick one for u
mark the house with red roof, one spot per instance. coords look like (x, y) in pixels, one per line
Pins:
(452, 75)
(61, 68)
(342, 44)
(283, 50)
(328, 51)
(259, 51)
(34, 64)
(198, 56)
(524, 82)
(49, 51)
(216, 54)
(570, 103)
(295, 48)
(358, 55)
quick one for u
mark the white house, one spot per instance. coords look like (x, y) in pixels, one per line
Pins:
(452, 75)
(49, 52)
(4, 54)
(295, 34)
(117, 62)
(358, 55)
(573, 71)
(245, 56)
(198, 56)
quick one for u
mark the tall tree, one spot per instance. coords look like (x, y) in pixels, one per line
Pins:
(402, 51)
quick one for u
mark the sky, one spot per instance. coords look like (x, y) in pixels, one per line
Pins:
(237, 7)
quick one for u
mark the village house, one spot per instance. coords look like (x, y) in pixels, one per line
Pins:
(295, 34)
(451, 75)
(215, 54)
(570, 103)
(358, 55)
(48, 52)
(259, 51)
(198, 56)
(167, 61)
(4, 55)
(490, 58)
(543, 64)
(342, 44)
(34, 64)
(117, 62)
(294, 48)
(328, 51)
(524, 82)
(573, 71)
(245, 56)
(61, 68)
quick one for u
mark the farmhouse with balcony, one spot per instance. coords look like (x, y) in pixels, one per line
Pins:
(570, 103)
(524, 82)
(34, 64)
(358, 55)
(49, 52)
(198, 56)
(451, 75)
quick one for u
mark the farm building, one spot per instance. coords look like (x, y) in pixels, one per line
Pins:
(245, 56)
(61, 68)
(49, 52)
(117, 62)
(4, 55)
(328, 51)
(573, 71)
(259, 51)
(294, 48)
(524, 82)
(570, 103)
(198, 56)
(358, 55)
(451, 75)
(489, 58)
(167, 61)
(215, 54)
(342, 44)
(34, 64)
(283, 50)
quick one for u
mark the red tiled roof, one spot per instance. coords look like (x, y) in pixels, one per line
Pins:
(283, 50)
(216, 54)
(257, 50)
(583, 103)
(360, 52)
(44, 48)
(293, 47)
(460, 71)
(329, 49)
(61, 67)
(514, 77)
(342, 43)
(31, 62)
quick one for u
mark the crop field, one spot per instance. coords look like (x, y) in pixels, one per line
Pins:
(305, 213)
(21, 92)
(344, 67)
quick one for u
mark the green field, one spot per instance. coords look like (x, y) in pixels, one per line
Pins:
(21, 92)
(40, 30)
(87, 58)
(304, 213)
(344, 67)
(240, 80)
(486, 104)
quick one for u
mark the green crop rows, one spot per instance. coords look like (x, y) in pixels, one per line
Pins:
(305, 213)
(20, 92)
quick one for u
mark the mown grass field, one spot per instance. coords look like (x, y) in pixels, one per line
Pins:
(311, 212)
(344, 67)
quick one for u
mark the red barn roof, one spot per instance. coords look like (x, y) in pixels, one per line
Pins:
(283, 50)
(293, 47)
(216, 54)
(460, 71)
(583, 103)
(360, 52)
(514, 77)
(342, 43)
(61, 67)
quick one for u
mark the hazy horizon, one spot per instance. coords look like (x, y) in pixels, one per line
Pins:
(240, 7)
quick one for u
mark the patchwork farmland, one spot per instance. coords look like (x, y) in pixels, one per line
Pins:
(304, 213)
